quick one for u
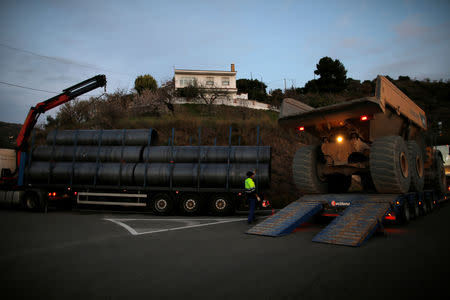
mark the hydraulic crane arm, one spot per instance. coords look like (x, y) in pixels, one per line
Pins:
(67, 95)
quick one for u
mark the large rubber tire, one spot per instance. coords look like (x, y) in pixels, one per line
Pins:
(221, 205)
(190, 204)
(162, 204)
(415, 167)
(304, 169)
(389, 165)
(339, 183)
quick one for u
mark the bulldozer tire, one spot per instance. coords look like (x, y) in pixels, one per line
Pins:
(416, 167)
(389, 165)
(305, 171)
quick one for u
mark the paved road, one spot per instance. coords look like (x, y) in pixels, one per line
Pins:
(82, 255)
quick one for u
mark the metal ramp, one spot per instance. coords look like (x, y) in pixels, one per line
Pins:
(357, 224)
(287, 219)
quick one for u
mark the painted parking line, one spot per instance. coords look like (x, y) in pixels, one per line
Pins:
(191, 223)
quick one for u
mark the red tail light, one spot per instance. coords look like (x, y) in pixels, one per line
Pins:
(364, 118)
(75, 193)
(265, 203)
(301, 128)
(53, 194)
(49, 194)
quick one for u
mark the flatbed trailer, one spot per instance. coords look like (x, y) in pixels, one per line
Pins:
(357, 216)
(223, 198)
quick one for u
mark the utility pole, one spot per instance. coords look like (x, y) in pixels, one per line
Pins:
(251, 76)
(285, 85)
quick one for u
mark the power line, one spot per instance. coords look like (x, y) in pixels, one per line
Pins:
(61, 60)
(27, 88)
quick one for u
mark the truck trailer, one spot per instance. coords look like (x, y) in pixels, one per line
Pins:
(126, 167)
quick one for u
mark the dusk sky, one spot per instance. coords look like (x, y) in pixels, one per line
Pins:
(51, 45)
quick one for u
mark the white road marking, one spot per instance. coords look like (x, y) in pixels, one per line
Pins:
(131, 230)
(134, 232)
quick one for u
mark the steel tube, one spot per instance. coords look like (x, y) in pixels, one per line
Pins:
(133, 137)
(89, 153)
(208, 154)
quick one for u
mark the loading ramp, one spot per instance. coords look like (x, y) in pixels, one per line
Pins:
(356, 225)
(362, 216)
(287, 219)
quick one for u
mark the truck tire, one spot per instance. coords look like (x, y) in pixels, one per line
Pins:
(406, 213)
(339, 183)
(389, 165)
(425, 208)
(415, 210)
(190, 204)
(416, 167)
(221, 205)
(31, 201)
(305, 171)
(162, 204)
(435, 178)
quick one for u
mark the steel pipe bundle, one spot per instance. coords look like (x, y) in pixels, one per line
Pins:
(124, 158)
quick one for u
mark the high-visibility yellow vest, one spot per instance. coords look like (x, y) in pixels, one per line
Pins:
(249, 185)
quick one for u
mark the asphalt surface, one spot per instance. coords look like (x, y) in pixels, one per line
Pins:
(87, 255)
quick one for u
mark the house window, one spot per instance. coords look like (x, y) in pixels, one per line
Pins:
(187, 81)
(225, 81)
(209, 80)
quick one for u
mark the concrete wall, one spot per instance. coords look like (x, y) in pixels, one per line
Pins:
(230, 102)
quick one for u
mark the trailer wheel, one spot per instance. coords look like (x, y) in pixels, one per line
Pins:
(306, 170)
(425, 208)
(389, 166)
(221, 205)
(162, 204)
(31, 201)
(406, 213)
(190, 204)
(416, 210)
(339, 183)
(416, 167)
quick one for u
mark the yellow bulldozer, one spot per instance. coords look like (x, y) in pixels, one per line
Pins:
(382, 139)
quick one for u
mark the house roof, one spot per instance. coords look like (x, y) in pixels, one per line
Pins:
(203, 72)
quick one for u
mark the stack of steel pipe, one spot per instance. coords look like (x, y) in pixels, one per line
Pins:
(131, 158)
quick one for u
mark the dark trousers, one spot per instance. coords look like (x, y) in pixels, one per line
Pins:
(251, 212)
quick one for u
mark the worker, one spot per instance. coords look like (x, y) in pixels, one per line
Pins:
(250, 193)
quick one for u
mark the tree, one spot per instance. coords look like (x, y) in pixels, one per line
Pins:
(332, 74)
(255, 89)
(167, 94)
(145, 82)
(276, 97)
(189, 92)
(210, 94)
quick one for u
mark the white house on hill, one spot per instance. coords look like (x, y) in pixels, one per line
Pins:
(223, 81)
